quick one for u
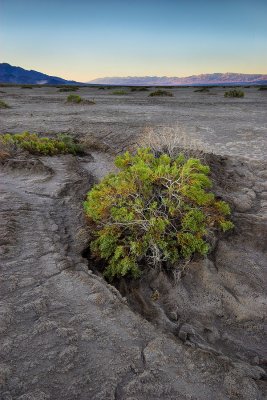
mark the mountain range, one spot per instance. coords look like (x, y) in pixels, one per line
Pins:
(17, 75)
(227, 78)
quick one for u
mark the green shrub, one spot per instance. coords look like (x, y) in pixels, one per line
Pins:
(74, 98)
(201, 90)
(160, 92)
(63, 144)
(3, 104)
(119, 92)
(234, 93)
(263, 88)
(155, 211)
(68, 89)
(26, 87)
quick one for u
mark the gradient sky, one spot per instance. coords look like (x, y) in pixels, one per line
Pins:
(85, 39)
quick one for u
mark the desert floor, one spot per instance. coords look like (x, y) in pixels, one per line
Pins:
(65, 333)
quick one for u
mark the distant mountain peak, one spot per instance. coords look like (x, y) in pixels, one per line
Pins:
(216, 78)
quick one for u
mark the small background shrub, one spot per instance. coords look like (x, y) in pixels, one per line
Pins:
(34, 144)
(74, 98)
(234, 93)
(155, 211)
(139, 89)
(160, 92)
(68, 89)
(26, 87)
(3, 104)
(263, 88)
(202, 90)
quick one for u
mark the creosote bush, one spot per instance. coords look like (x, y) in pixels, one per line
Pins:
(234, 93)
(34, 144)
(26, 87)
(75, 99)
(3, 104)
(160, 92)
(156, 211)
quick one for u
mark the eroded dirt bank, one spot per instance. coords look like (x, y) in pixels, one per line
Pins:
(67, 334)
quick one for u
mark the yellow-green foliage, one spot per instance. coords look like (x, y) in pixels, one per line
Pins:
(155, 210)
(3, 104)
(74, 98)
(234, 93)
(63, 144)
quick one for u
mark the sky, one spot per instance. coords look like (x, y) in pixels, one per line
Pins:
(85, 39)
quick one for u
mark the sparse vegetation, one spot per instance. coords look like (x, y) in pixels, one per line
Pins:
(160, 92)
(35, 144)
(3, 104)
(263, 88)
(119, 92)
(75, 99)
(139, 89)
(26, 87)
(234, 93)
(68, 89)
(202, 90)
(157, 211)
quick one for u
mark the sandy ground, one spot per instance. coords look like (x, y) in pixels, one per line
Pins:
(222, 125)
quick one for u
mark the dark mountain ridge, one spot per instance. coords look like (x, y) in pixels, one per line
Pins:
(18, 75)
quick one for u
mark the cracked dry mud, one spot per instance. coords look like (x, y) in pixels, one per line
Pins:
(66, 334)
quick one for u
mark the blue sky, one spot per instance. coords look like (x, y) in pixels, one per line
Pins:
(86, 39)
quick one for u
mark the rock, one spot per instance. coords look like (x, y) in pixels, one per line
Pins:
(244, 201)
